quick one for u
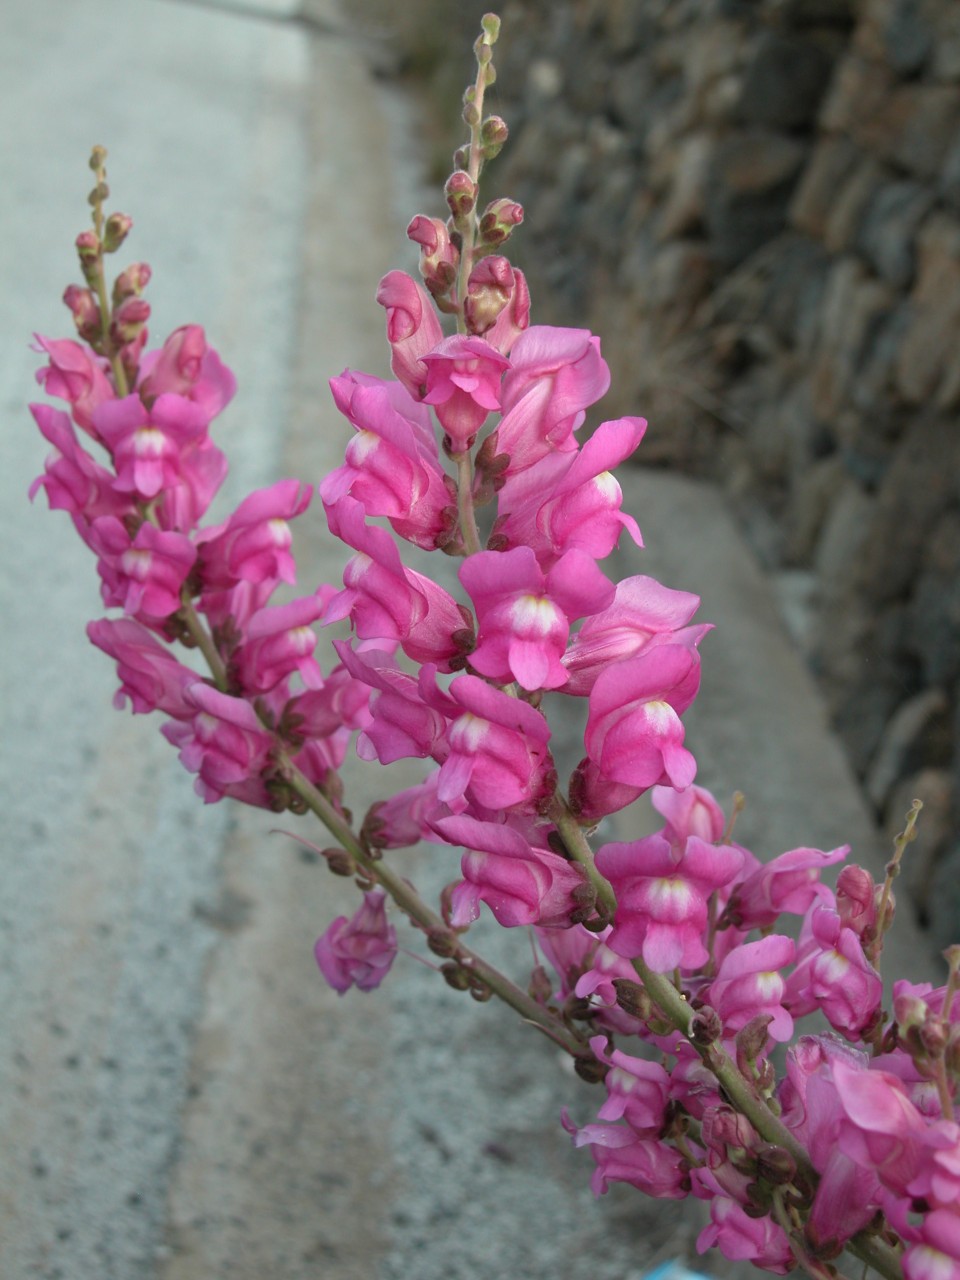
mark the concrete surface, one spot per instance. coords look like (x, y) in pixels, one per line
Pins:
(180, 1096)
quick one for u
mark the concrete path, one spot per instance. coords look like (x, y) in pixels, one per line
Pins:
(180, 1096)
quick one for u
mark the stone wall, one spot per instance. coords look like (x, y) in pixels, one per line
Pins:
(757, 206)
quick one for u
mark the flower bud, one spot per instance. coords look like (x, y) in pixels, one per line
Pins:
(455, 977)
(775, 1165)
(498, 220)
(633, 999)
(540, 988)
(706, 1026)
(461, 194)
(490, 24)
(131, 282)
(90, 254)
(340, 862)
(590, 1069)
(933, 1036)
(441, 942)
(751, 1040)
(115, 231)
(489, 289)
(98, 158)
(439, 258)
(493, 136)
(85, 310)
(129, 319)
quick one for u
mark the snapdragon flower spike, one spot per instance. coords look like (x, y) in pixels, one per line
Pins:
(412, 329)
(642, 611)
(524, 614)
(662, 892)
(554, 376)
(463, 385)
(521, 885)
(150, 678)
(392, 466)
(634, 735)
(570, 500)
(359, 951)
(77, 376)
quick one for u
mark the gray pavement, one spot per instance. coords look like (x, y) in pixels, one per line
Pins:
(180, 1096)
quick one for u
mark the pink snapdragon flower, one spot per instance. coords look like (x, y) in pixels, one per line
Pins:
(637, 1090)
(278, 641)
(524, 615)
(740, 1236)
(521, 885)
(145, 576)
(555, 375)
(463, 385)
(621, 1155)
(224, 744)
(498, 756)
(642, 612)
(570, 500)
(386, 601)
(497, 288)
(749, 982)
(392, 467)
(788, 883)
(150, 448)
(73, 481)
(187, 366)
(77, 376)
(403, 723)
(662, 892)
(150, 679)
(934, 1249)
(253, 544)
(833, 975)
(360, 950)
(634, 734)
(882, 1130)
(407, 817)
(691, 812)
(412, 328)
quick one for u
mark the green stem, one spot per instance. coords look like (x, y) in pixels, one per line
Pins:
(410, 902)
(468, 518)
(204, 642)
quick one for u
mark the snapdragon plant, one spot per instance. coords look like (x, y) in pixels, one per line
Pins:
(665, 975)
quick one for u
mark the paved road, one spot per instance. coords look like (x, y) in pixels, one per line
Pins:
(180, 1097)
